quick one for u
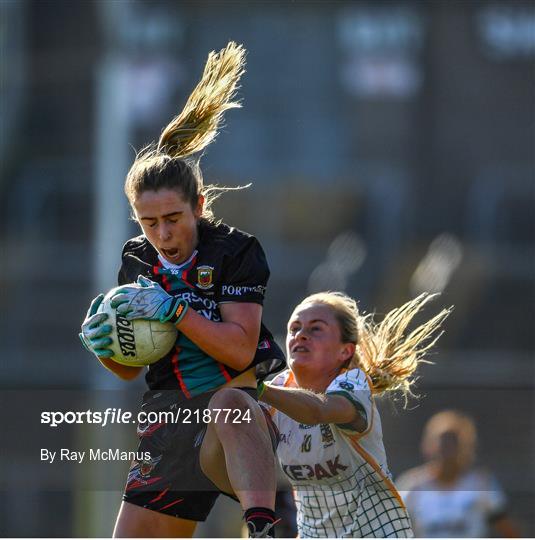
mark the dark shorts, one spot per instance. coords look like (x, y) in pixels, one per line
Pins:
(166, 476)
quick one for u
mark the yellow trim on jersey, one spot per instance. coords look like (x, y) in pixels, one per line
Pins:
(353, 438)
(371, 461)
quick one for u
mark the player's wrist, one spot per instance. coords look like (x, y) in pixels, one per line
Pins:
(178, 312)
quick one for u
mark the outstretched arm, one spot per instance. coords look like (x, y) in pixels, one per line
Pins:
(310, 408)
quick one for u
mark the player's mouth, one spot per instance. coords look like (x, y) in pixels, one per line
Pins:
(171, 254)
(299, 349)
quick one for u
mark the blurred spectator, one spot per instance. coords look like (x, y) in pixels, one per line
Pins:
(448, 496)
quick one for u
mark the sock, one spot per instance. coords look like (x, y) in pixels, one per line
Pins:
(257, 518)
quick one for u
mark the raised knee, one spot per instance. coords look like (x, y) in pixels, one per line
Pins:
(233, 410)
(230, 398)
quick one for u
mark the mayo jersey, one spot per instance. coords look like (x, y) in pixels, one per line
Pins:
(461, 511)
(342, 486)
(229, 265)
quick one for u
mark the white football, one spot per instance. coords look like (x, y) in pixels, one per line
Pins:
(138, 342)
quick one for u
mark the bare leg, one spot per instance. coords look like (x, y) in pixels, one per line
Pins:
(238, 458)
(136, 522)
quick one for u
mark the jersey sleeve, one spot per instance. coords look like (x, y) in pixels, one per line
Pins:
(245, 275)
(137, 258)
(279, 379)
(122, 278)
(353, 385)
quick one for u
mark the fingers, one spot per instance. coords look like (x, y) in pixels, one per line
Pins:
(94, 305)
(104, 353)
(130, 313)
(104, 330)
(87, 346)
(96, 331)
(122, 298)
(148, 283)
(125, 289)
(101, 343)
(124, 310)
(94, 320)
(96, 338)
(145, 282)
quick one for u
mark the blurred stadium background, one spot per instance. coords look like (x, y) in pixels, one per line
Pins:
(391, 150)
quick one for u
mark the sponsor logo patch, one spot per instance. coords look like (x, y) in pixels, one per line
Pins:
(179, 311)
(319, 471)
(239, 290)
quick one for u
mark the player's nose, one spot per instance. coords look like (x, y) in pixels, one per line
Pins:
(164, 232)
(301, 334)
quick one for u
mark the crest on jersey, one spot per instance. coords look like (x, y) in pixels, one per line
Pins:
(146, 466)
(204, 277)
(140, 472)
(327, 437)
(346, 385)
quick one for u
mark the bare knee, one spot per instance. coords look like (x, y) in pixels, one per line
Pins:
(244, 411)
(233, 399)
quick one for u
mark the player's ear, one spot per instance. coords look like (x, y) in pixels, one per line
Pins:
(198, 210)
(348, 351)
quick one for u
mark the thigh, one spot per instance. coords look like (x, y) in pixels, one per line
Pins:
(137, 522)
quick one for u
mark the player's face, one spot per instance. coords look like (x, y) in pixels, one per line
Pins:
(314, 343)
(451, 447)
(169, 223)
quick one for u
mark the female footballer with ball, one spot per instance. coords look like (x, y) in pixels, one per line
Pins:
(331, 446)
(209, 280)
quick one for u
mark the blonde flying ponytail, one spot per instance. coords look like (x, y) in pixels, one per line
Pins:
(173, 163)
(388, 354)
(197, 125)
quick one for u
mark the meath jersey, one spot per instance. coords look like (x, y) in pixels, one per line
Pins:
(342, 486)
(228, 266)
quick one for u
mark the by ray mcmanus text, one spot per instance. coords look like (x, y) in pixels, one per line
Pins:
(93, 454)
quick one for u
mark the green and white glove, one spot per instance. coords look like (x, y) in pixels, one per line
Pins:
(95, 335)
(149, 302)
